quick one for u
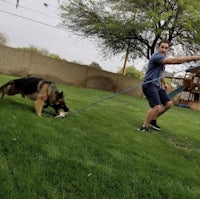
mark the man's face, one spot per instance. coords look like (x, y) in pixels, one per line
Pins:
(163, 48)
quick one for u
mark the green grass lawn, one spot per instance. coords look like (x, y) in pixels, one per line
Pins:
(97, 153)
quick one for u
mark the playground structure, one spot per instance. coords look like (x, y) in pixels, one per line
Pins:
(187, 92)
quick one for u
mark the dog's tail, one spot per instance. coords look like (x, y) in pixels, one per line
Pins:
(8, 88)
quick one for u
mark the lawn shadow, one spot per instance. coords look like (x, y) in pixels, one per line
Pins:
(15, 104)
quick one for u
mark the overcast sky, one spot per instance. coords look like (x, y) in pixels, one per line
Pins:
(32, 23)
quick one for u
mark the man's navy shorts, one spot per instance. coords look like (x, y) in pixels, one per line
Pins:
(155, 95)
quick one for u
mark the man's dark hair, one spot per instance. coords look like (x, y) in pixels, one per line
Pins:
(164, 41)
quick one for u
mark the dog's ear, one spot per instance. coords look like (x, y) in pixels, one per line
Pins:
(59, 95)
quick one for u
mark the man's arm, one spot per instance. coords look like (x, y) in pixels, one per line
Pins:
(180, 60)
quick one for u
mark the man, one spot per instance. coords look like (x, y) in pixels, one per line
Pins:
(157, 96)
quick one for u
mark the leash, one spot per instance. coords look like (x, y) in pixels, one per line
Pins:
(111, 96)
(115, 94)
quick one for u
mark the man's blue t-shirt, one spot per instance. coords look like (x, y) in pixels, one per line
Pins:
(155, 69)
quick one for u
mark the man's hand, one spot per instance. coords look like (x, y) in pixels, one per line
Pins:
(167, 88)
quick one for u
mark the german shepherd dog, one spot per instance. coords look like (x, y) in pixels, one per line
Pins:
(43, 92)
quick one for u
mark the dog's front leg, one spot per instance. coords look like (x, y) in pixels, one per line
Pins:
(38, 106)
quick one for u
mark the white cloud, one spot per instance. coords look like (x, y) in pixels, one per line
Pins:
(32, 23)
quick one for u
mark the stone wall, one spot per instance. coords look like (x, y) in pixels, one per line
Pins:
(25, 63)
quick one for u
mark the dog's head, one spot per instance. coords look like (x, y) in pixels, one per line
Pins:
(59, 103)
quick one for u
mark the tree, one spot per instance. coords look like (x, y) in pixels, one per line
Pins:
(131, 71)
(41, 51)
(95, 65)
(52, 55)
(3, 39)
(138, 25)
